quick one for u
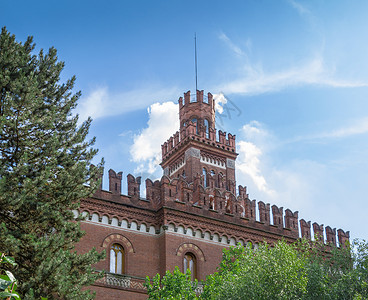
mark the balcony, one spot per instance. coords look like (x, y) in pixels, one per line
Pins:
(125, 282)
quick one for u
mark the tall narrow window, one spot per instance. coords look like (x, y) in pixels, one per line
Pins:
(207, 128)
(194, 120)
(117, 258)
(204, 171)
(190, 263)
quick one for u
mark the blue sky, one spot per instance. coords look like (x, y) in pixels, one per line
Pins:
(291, 78)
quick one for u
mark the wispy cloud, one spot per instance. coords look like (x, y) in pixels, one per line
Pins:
(101, 103)
(302, 10)
(257, 81)
(360, 127)
(356, 127)
(236, 49)
(253, 79)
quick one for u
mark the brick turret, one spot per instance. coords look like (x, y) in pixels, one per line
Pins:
(194, 149)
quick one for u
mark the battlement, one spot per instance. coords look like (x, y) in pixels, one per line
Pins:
(197, 122)
(199, 97)
(190, 133)
(214, 203)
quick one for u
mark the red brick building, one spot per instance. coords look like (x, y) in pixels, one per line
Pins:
(188, 216)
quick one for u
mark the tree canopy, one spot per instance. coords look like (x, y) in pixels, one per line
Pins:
(45, 169)
(304, 270)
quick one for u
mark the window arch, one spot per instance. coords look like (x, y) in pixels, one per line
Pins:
(207, 128)
(194, 120)
(117, 259)
(190, 262)
(220, 182)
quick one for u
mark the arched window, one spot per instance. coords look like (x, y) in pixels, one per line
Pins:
(212, 203)
(117, 258)
(207, 128)
(191, 264)
(220, 180)
(204, 172)
(194, 120)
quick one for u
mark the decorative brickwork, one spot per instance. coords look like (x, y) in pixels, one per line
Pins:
(194, 208)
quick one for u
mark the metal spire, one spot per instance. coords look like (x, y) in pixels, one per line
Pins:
(195, 54)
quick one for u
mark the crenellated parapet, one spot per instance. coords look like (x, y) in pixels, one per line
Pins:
(291, 220)
(215, 203)
(197, 123)
(343, 237)
(305, 228)
(318, 231)
(134, 186)
(153, 192)
(264, 212)
(277, 216)
(191, 132)
(330, 236)
(115, 182)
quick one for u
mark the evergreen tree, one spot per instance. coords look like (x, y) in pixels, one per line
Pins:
(44, 170)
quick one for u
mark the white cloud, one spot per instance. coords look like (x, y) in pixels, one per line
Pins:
(286, 185)
(146, 149)
(250, 152)
(102, 103)
(248, 163)
(220, 100)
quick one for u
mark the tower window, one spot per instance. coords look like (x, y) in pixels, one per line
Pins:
(204, 171)
(189, 262)
(212, 204)
(117, 258)
(207, 128)
(194, 120)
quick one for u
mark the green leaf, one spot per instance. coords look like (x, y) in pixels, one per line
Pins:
(7, 294)
(11, 276)
(9, 260)
(4, 283)
(5, 277)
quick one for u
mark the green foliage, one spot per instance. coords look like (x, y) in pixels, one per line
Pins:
(172, 286)
(8, 283)
(267, 273)
(304, 270)
(44, 167)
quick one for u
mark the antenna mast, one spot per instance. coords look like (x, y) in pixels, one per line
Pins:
(195, 54)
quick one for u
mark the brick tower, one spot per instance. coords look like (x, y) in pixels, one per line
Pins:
(194, 152)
